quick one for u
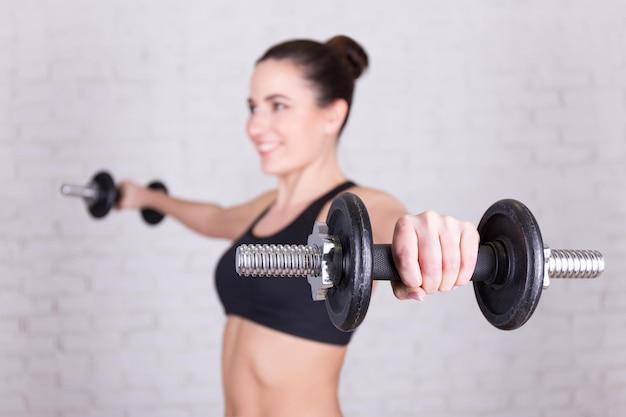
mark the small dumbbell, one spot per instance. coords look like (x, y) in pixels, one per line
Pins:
(340, 260)
(101, 194)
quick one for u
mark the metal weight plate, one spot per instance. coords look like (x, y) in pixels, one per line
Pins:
(153, 216)
(107, 195)
(347, 302)
(509, 303)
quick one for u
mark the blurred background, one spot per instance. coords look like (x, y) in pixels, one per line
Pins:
(464, 103)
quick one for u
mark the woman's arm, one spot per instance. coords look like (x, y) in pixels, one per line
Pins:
(208, 219)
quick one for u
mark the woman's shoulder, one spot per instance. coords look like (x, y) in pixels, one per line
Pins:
(383, 210)
(375, 198)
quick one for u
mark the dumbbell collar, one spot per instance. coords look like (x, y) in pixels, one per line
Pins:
(547, 254)
(330, 266)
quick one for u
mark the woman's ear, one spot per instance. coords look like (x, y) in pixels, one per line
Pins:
(337, 111)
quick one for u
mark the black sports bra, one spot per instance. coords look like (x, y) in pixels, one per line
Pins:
(282, 303)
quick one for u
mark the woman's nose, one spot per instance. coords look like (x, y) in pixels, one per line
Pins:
(257, 124)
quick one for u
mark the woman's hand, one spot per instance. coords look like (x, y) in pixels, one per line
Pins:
(433, 253)
(133, 196)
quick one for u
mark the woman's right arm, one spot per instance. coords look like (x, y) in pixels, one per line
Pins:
(208, 219)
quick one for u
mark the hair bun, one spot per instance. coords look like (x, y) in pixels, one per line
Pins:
(352, 53)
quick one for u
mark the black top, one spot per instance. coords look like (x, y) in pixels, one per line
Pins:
(282, 303)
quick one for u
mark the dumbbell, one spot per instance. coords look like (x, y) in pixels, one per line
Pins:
(101, 194)
(340, 261)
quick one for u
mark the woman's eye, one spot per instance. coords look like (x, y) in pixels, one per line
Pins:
(252, 109)
(279, 106)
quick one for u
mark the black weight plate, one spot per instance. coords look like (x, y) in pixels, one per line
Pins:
(107, 195)
(508, 304)
(347, 302)
(152, 216)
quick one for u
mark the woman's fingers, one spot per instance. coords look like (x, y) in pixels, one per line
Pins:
(405, 255)
(470, 240)
(130, 195)
(433, 253)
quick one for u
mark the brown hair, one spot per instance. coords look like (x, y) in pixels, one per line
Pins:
(331, 67)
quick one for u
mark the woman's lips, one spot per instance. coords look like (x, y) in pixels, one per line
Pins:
(267, 148)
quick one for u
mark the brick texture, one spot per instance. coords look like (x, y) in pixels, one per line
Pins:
(465, 103)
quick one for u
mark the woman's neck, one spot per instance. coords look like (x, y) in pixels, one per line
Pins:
(304, 186)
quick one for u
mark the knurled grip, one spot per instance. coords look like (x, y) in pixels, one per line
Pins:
(384, 268)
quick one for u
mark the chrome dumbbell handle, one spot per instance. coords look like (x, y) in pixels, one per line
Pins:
(563, 263)
(278, 260)
(308, 260)
(88, 192)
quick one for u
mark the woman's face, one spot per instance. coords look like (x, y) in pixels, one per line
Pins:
(287, 127)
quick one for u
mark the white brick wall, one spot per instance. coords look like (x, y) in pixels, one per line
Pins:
(465, 103)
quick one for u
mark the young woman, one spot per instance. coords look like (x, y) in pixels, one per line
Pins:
(281, 354)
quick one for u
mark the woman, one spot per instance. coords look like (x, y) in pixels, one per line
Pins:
(281, 355)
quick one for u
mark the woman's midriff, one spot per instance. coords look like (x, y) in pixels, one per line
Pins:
(270, 373)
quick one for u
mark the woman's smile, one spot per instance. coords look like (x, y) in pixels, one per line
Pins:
(266, 148)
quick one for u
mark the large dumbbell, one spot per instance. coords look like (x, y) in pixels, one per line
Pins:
(101, 194)
(340, 260)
